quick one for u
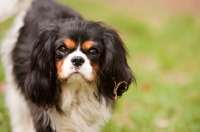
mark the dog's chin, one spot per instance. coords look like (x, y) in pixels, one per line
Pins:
(76, 77)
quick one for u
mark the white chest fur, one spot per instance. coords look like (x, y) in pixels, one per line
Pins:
(82, 110)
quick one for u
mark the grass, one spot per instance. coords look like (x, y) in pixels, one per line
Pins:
(165, 60)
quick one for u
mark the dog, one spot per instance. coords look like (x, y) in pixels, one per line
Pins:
(63, 73)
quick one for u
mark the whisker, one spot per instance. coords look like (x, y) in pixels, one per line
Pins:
(59, 79)
(99, 92)
(100, 72)
(96, 77)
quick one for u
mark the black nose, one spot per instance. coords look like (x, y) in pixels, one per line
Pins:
(77, 61)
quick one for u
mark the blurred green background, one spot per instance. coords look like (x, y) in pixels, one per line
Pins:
(163, 41)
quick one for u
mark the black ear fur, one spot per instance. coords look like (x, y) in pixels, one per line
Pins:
(40, 84)
(114, 68)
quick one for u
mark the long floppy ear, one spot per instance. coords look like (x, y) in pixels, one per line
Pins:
(40, 83)
(117, 75)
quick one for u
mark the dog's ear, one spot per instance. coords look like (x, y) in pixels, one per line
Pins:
(40, 83)
(117, 75)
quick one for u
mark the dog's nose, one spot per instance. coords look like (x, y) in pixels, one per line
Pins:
(77, 61)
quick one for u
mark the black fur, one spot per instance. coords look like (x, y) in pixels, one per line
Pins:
(34, 56)
(40, 83)
(115, 67)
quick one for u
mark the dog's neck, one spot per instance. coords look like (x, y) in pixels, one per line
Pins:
(77, 91)
(81, 108)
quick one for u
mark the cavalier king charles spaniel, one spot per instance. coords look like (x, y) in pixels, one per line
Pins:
(63, 73)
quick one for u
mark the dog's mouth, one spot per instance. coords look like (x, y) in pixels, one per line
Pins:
(76, 76)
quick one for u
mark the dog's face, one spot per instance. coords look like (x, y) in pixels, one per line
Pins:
(78, 58)
(74, 50)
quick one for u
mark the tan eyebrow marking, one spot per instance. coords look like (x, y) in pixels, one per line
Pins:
(69, 43)
(87, 45)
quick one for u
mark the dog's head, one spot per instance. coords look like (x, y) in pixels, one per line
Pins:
(73, 50)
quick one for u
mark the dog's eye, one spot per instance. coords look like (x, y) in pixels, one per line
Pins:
(93, 51)
(62, 49)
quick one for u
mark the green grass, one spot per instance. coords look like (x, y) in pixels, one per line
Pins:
(165, 60)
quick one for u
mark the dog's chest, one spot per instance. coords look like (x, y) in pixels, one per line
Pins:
(82, 110)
